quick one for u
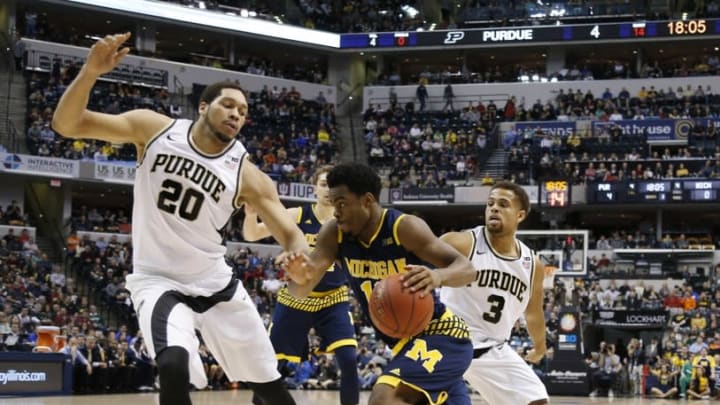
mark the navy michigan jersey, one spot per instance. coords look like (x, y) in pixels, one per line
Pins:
(310, 225)
(366, 264)
(433, 362)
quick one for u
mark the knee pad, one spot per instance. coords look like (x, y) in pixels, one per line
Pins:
(272, 393)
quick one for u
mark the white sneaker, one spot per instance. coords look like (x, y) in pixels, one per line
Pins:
(594, 393)
(682, 395)
(705, 397)
(611, 394)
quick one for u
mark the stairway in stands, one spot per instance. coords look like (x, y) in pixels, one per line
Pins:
(496, 164)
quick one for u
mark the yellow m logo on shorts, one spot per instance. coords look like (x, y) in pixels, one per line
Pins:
(419, 352)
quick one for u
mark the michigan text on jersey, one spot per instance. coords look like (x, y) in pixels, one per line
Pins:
(375, 269)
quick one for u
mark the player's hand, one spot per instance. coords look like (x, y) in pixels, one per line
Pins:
(106, 54)
(535, 355)
(297, 266)
(421, 278)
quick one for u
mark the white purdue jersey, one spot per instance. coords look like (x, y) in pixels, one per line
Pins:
(183, 200)
(499, 295)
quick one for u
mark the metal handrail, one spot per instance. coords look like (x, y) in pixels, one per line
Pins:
(7, 51)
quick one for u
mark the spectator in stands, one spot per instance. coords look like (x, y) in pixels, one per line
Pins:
(700, 384)
(421, 94)
(609, 367)
(82, 369)
(665, 387)
(448, 96)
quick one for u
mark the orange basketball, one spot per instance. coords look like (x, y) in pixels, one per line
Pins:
(398, 312)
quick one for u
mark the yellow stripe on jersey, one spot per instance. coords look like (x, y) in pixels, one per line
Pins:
(449, 324)
(377, 231)
(317, 301)
(291, 359)
(395, 381)
(395, 229)
(299, 215)
(341, 343)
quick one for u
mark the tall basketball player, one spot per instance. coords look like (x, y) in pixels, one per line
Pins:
(327, 309)
(191, 177)
(371, 243)
(508, 284)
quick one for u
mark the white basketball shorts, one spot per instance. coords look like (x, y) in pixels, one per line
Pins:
(228, 321)
(502, 377)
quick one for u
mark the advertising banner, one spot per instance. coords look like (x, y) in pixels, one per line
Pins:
(113, 172)
(295, 191)
(567, 374)
(35, 373)
(39, 166)
(646, 318)
(562, 128)
(422, 194)
(653, 129)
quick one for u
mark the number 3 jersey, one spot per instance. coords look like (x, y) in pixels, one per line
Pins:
(499, 295)
(183, 198)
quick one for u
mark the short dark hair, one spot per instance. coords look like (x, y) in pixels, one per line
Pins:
(358, 178)
(320, 170)
(212, 91)
(519, 192)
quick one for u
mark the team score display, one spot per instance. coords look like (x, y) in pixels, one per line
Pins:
(497, 303)
(690, 27)
(595, 32)
(191, 200)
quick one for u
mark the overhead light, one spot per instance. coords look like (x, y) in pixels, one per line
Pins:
(409, 10)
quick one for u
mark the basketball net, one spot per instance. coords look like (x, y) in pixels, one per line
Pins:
(549, 279)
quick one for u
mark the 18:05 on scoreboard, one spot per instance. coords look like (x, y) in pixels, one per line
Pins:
(538, 34)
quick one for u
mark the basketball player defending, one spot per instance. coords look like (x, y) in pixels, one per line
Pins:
(508, 283)
(191, 177)
(326, 309)
(371, 243)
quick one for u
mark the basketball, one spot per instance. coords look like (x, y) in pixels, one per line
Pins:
(396, 311)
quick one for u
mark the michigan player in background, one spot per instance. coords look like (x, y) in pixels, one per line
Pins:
(371, 243)
(191, 177)
(327, 308)
(508, 284)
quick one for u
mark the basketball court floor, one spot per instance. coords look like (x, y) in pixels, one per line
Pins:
(242, 397)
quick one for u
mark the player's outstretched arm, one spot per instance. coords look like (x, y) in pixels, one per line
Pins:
(453, 269)
(315, 264)
(253, 230)
(72, 119)
(534, 315)
(258, 190)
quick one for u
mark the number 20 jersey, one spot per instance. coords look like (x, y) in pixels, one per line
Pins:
(183, 198)
(499, 295)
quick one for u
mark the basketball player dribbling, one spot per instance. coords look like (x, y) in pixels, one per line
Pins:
(508, 283)
(191, 177)
(371, 243)
(327, 309)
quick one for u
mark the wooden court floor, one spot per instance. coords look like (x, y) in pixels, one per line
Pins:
(242, 397)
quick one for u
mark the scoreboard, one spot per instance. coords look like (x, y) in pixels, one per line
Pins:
(535, 34)
(654, 191)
